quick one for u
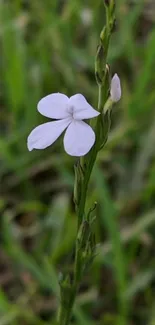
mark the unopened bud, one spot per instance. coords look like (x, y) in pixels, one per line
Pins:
(115, 90)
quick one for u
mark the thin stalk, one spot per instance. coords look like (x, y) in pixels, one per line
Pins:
(65, 315)
(92, 155)
(87, 163)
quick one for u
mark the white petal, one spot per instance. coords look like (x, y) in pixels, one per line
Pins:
(54, 106)
(45, 134)
(115, 90)
(79, 138)
(81, 108)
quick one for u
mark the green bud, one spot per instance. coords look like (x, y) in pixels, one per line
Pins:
(100, 61)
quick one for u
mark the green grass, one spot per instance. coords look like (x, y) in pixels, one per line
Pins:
(47, 46)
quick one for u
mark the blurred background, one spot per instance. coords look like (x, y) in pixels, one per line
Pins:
(49, 46)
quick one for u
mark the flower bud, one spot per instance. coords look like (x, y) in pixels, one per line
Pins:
(115, 90)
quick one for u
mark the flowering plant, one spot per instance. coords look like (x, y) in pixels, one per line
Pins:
(84, 141)
(79, 137)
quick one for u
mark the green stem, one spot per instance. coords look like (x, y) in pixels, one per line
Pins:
(91, 158)
(87, 164)
(65, 314)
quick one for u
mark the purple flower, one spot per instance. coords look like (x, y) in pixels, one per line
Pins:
(79, 136)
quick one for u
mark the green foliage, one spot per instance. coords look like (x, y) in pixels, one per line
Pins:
(50, 46)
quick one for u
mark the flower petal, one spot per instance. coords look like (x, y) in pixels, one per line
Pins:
(54, 106)
(45, 134)
(79, 138)
(115, 90)
(81, 108)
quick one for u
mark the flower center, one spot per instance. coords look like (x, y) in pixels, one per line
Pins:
(71, 110)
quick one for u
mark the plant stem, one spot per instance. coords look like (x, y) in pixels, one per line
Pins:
(65, 314)
(87, 163)
(91, 158)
